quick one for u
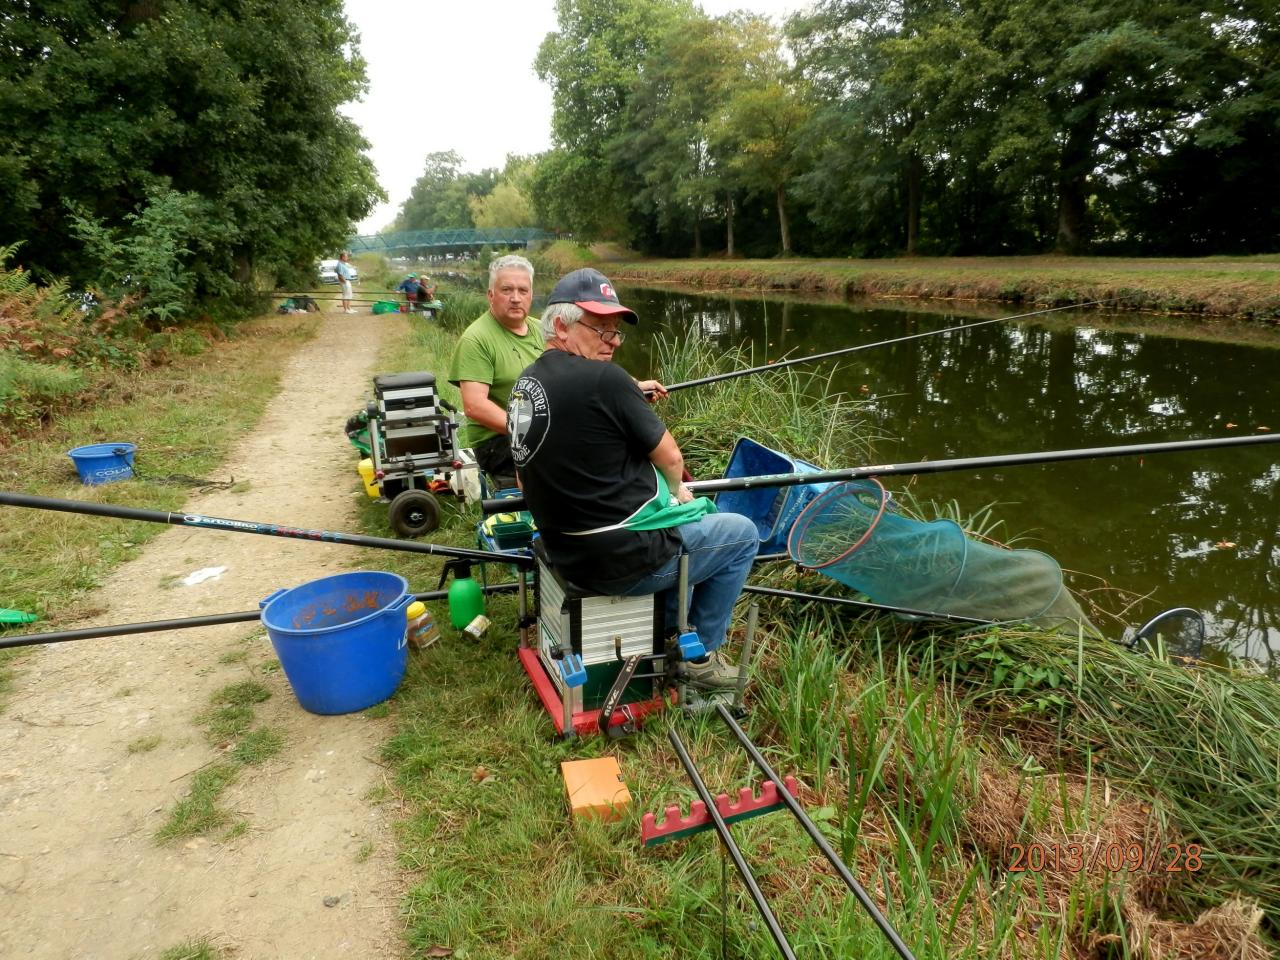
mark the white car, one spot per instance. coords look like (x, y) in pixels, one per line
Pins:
(327, 271)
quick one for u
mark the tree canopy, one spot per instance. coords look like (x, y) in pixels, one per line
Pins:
(211, 123)
(903, 126)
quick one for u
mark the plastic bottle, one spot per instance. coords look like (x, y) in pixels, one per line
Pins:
(422, 626)
(466, 597)
(365, 469)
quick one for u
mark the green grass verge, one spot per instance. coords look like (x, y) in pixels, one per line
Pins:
(184, 417)
(196, 948)
(228, 725)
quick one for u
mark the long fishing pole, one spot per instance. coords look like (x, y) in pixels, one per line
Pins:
(882, 343)
(863, 605)
(941, 466)
(726, 838)
(251, 526)
(186, 623)
(798, 811)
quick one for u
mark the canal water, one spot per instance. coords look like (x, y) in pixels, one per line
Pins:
(1197, 529)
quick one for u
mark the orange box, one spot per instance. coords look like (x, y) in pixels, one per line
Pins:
(595, 787)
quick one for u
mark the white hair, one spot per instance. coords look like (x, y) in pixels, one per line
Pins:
(512, 261)
(567, 313)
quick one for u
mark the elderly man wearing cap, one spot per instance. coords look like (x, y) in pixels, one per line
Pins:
(603, 477)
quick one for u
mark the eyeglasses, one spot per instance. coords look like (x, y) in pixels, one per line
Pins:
(614, 337)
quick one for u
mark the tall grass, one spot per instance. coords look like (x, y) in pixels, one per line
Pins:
(1204, 739)
(789, 410)
(461, 306)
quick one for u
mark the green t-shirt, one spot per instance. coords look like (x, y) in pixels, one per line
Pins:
(487, 352)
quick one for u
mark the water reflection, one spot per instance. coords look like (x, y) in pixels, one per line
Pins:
(1199, 529)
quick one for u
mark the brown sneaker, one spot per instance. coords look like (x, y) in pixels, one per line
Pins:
(717, 672)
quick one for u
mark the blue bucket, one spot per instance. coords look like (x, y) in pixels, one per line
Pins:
(100, 463)
(341, 639)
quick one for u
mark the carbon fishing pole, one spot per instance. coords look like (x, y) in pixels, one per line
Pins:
(798, 811)
(730, 845)
(863, 605)
(185, 623)
(201, 522)
(941, 466)
(882, 343)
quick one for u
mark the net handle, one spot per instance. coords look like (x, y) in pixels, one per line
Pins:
(808, 513)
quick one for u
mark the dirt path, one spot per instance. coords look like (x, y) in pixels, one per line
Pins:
(312, 876)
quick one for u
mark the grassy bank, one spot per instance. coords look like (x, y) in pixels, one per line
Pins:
(1243, 287)
(932, 760)
(183, 416)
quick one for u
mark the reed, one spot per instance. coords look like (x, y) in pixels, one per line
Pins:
(1204, 740)
(461, 306)
(807, 702)
(832, 430)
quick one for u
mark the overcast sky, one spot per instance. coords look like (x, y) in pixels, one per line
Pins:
(458, 75)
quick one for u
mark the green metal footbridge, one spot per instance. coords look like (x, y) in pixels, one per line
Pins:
(446, 241)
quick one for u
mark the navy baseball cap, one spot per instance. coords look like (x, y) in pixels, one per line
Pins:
(592, 291)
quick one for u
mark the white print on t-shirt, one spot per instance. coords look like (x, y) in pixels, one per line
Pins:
(528, 418)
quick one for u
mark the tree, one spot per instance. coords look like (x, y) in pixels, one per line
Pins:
(1010, 124)
(104, 106)
(441, 197)
(676, 111)
(592, 63)
(762, 124)
(1093, 84)
(508, 204)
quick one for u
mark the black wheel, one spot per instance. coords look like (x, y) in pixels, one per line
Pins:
(413, 513)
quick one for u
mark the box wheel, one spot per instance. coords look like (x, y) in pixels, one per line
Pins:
(414, 513)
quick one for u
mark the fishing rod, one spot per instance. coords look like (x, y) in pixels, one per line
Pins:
(815, 834)
(343, 299)
(882, 343)
(251, 526)
(941, 466)
(864, 605)
(731, 846)
(185, 623)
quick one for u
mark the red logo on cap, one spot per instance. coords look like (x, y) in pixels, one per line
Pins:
(608, 291)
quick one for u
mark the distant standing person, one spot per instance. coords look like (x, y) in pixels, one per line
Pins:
(345, 273)
(489, 357)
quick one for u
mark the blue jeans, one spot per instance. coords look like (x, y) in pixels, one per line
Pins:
(720, 548)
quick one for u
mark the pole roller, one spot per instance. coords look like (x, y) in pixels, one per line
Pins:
(816, 835)
(730, 845)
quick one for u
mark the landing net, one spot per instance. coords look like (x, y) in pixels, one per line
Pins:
(852, 533)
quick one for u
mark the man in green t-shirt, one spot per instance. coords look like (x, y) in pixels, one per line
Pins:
(489, 358)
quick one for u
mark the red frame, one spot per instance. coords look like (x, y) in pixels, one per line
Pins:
(585, 722)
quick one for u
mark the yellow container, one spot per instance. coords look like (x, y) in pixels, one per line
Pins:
(365, 469)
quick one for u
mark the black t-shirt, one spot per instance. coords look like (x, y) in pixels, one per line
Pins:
(581, 434)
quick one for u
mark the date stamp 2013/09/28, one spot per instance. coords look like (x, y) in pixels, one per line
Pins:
(1104, 857)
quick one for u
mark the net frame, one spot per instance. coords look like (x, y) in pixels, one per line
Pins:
(821, 503)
